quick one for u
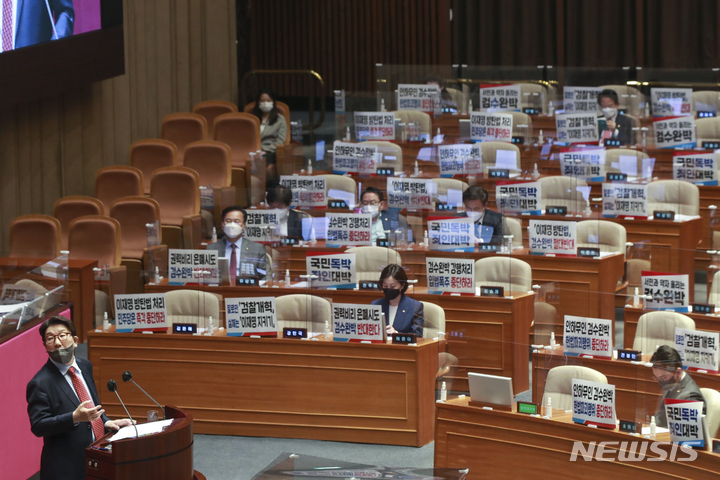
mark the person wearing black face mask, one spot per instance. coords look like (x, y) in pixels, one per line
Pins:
(676, 384)
(402, 313)
(63, 404)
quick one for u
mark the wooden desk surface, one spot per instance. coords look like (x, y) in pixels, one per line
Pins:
(503, 445)
(80, 286)
(323, 390)
(486, 334)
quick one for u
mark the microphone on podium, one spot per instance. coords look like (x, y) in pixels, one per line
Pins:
(112, 386)
(127, 377)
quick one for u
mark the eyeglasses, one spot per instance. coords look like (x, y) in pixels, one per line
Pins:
(373, 203)
(236, 221)
(49, 339)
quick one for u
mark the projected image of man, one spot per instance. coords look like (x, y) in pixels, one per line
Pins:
(27, 22)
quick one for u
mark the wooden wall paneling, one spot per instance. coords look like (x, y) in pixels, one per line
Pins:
(24, 188)
(163, 62)
(232, 88)
(197, 92)
(181, 56)
(152, 52)
(8, 170)
(72, 147)
(92, 136)
(50, 130)
(36, 160)
(640, 33)
(218, 76)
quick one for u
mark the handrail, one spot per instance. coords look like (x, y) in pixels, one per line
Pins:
(311, 97)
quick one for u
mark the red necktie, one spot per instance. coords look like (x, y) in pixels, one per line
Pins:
(84, 396)
(233, 264)
(7, 26)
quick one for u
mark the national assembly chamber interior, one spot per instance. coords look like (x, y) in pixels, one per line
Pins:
(419, 239)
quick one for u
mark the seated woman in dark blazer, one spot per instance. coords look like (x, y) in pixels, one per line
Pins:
(402, 313)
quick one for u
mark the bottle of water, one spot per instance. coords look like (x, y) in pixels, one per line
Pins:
(211, 327)
(548, 408)
(443, 392)
(106, 321)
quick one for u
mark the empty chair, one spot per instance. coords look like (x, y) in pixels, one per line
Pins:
(681, 197)
(513, 226)
(34, 236)
(635, 267)
(392, 154)
(522, 126)
(211, 109)
(705, 101)
(303, 311)
(445, 184)
(370, 261)
(562, 191)
(67, 209)
(182, 129)
(615, 164)
(558, 385)
(177, 191)
(707, 130)
(284, 111)
(192, 306)
(714, 293)
(712, 403)
(133, 213)
(149, 155)
(211, 160)
(630, 98)
(658, 328)
(241, 131)
(97, 237)
(545, 323)
(512, 274)
(603, 234)
(533, 95)
(118, 181)
(341, 187)
(421, 119)
(434, 320)
(489, 154)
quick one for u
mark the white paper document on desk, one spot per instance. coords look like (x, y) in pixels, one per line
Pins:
(143, 429)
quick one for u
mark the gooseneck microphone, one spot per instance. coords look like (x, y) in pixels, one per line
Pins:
(112, 386)
(127, 377)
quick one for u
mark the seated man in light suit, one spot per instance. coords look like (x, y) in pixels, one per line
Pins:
(488, 224)
(247, 258)
(384, 219)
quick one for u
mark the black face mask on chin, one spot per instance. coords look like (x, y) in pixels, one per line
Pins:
(391, 293)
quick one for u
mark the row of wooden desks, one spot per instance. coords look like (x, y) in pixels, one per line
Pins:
(486, 334)
(505, 445)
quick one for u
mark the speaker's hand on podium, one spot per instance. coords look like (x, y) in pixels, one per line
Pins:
(117, 424)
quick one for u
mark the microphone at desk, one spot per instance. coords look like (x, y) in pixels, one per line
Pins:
(112, 386)
(127, 377)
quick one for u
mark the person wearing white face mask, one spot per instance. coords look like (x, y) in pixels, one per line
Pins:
(617, 125)
(246, 258)
(488, 224)
(290, 221)
(273, 130)
(372, 201)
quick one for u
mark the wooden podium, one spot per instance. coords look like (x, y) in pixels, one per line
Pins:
(167, 454)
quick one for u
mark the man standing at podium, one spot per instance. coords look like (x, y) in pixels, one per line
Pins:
(63, 404)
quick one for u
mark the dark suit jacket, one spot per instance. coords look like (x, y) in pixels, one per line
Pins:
(51, 402)
(624, 129)
(493, 220)
(392, 220)
(33, 25)
(410, 316)
(294, 226)
(252, 252)
(687, 389)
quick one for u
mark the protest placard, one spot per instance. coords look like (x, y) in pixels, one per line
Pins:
(552, 236)
(357, 323)
(417, 97)
(699, 168)
(577, 128)
(684, 419)
(698, 349)
(450, 275)
(459, 160)
(451, 234)
(12, 294)
(374, 126)
(669, 291)
(624, 200)
(306, 191)
(348, 229)
(193, 266)
(410, 193)
(491, 127)
(355, 158)
(588, 336)
(251, 316)
(671, 101)
(496, 98)
(339, 101)
(334, 270)
(259, 225)
(518, 197)
(585, 163)
(140, 312)
(674, 132)
(580, 99)
(593, 403)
